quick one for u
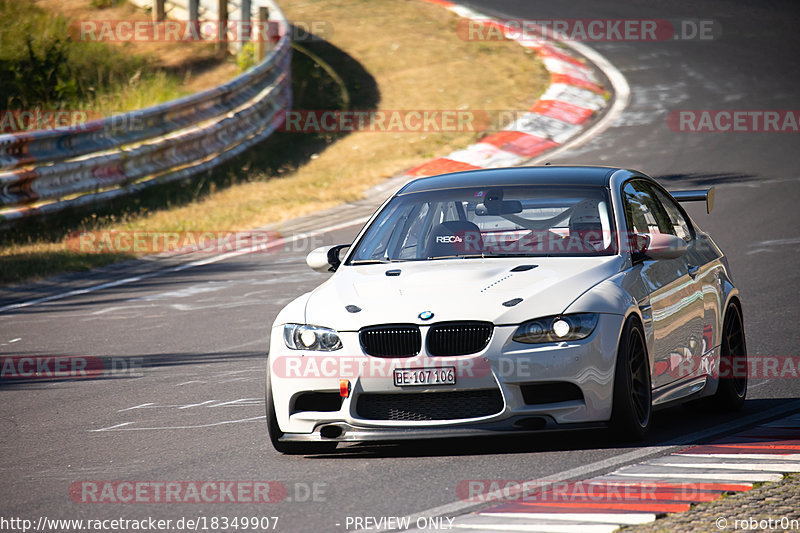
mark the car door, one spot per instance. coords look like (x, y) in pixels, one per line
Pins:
(675, 298)
(704, 269)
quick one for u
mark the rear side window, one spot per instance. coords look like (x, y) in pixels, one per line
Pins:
(679, 225)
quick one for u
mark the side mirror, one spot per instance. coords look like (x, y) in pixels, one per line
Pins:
(326, 258)
(657, 246)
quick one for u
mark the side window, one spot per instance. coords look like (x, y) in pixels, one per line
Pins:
(642, 210)
(679, 224)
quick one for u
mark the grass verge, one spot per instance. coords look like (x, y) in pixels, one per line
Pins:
(390, 55)
(46, 65)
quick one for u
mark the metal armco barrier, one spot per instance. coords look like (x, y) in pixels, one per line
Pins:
(125, 153)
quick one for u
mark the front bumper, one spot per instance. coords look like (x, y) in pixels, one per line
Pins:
(504, 365)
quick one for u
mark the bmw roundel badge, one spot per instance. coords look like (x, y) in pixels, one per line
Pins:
(426, 315)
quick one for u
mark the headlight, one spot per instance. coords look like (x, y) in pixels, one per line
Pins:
(556, 328)
(302, 337)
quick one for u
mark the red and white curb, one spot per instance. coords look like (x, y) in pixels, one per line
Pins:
(562, 113)
(673, 483)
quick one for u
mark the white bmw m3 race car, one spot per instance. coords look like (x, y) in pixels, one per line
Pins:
(509, 300)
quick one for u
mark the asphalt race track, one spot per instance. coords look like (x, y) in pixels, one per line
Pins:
(191, 407)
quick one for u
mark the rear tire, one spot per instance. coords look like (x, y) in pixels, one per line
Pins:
(632, 409)
(275, 433)
(732, 387)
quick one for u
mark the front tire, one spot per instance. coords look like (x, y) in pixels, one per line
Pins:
(275, 433)
(632, 408)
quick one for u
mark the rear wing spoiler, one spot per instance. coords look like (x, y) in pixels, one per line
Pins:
(698, 195)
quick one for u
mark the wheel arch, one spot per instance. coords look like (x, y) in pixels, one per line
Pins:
(635, 313)
(733, 297)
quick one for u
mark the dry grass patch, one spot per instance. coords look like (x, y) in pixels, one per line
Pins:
(193, 66)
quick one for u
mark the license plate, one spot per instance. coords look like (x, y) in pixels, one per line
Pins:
(409, 377)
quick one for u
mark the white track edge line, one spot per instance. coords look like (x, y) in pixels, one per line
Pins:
(542, 527)
(743, 456)
(746, 467)
(618, 517)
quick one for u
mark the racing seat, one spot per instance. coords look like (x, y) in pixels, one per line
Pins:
(454, 237)
(586, 227)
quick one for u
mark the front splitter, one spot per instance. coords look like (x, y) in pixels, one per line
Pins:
(520, 425)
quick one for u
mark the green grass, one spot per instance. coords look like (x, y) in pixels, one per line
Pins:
(41, 67)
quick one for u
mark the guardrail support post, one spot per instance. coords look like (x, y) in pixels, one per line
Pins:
(222, 28)
(194, 16)
(246, 16)
(159, 14)
(263, 34)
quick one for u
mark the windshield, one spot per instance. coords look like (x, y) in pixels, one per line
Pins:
(490, 222)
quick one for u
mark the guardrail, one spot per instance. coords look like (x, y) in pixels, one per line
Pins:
(43, 172)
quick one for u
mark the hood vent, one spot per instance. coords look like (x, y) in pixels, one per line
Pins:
(523, 268)
(512, 302)
(353, 308)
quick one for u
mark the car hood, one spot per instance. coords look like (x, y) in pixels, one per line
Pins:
(455, 289)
